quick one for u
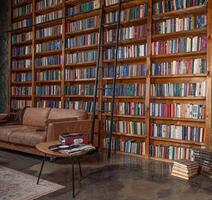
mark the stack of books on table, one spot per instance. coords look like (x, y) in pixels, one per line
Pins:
(185, 169)
(204, 158)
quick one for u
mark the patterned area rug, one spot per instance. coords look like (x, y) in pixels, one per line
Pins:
(15, 185)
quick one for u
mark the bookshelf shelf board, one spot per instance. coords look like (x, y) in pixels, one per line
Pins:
(21, 30)
(128, 60)
(83, 32)
(125, 5)
(47, 97)
(130, 135)
(124, 97)
(136, 117)
(177, 55)
(83, 15)
(89, 80)
(22, 83)
(22, 43)
(81, 48)
(140, 79)
(48, 9)
(22, 57)
(179, 98)
(127, 42)
(188, 33)
(177, 141)
(178, 119)
(162, 160)
(22, 17)
(48, 82)
(21, 96)
(21, 4)
(49, 67)
(48, 53)
(183, 12)
(179, 80)
(75, 2)
(79, 97)
(81, 64)
(21, 70)
(49, 23)
(55, 37)
(134, 22)
(179, 76)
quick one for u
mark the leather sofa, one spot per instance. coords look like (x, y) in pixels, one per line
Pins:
(43, 124)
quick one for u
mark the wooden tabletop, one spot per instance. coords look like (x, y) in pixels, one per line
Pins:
(44, 148)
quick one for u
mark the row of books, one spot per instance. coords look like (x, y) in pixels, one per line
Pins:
(49, 46)
(82, 40)
(172, 5)
(22, 24)
(49, 75)
(171, 152)
(21, 64)
(185, 133)
(49, 31)
(127, 70)
(193, 111)
(48, 104)
(81, 25)
(126, 108)
(127, 146)
(180, 45)
(21, 90)
(83, 7)
(81, 57)
(22, 51)
(186, 66)
(43, 4)
(85, 90)
(21, 77)
(48, 61)
(23, 37)
(136, 89)
(49, 17)
(127, 14)
(48, 90)
(178, 89)
(130, 51)
(24, 10)
(112, 2)
(126, 33)
(16, 2)
(77, 105)
(75, 74)
(126, 127)
(180, 24)
(19, 104)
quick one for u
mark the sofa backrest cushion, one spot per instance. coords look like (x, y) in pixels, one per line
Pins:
(67, 113)
(36, 116)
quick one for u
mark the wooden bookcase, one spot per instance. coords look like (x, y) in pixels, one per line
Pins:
(71, 74)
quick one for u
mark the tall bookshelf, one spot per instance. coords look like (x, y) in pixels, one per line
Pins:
(163, 97)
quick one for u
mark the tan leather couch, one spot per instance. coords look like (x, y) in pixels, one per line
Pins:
(43, 124)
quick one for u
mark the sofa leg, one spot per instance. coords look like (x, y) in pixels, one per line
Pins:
(41, 169)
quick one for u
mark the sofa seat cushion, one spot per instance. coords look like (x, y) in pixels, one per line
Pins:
(5, 131)
(56, 113)
(29, 136)
(36, 116)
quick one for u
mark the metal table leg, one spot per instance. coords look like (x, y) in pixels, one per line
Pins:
(41, 169)
(80, 169)
(73, 179)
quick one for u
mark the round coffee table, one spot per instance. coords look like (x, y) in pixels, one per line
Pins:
(44, 148)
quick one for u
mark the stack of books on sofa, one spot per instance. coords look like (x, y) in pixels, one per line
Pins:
(204, 158)
(185, 169)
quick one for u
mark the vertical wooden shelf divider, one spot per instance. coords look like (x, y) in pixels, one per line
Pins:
(33, 52)
(148, 80)
(208, 137)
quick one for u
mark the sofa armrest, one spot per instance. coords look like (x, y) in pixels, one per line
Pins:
(79, 126)
(60, 120)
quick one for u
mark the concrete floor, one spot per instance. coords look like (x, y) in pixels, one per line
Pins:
(121, 178)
